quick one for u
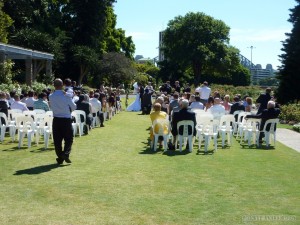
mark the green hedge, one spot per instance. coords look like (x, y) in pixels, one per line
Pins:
(290, 112)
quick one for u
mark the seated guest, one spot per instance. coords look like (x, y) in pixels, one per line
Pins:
(3, 105)
(197, 104)
(236, 106)
(248, 108)
(226, 103)
(174, 102)
(97, 108)
(209, 103)
(17, 104)
(86, 107)
(157, 114)
(270, 113)
(41, 103)
(217, 109)
(182, 114)
(30, 100)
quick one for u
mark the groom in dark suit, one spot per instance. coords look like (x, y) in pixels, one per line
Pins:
(183, 114)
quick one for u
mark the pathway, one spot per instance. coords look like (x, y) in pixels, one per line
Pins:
(289, 138)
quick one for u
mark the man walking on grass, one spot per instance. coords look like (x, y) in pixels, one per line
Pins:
(62, 106)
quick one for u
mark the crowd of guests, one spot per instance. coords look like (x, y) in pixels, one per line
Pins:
(67, 96)
(178, 103)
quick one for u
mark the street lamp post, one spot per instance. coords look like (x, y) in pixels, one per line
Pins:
(251, 49)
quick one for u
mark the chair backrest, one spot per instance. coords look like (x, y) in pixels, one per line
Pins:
(39, 111)
(242, 115)
(203, 118)
(3, 117)
(24, 122)
(270, 125)
(48, 120)
(81, 113)
(196, 110)
(227, 120)
(161, 126)
(186, 124)
(236, 113)
(49, 113)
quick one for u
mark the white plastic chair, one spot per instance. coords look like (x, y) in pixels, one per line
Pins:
(24, 125)
(225, 128)
(80, 124)
(47, 130)
(272, 131)
(49, 113)
(185, 124)
(241, 123)
(250, 131)
(39, 111)
(235, 124)
(163, 129)
(3, 126)
(208, 132)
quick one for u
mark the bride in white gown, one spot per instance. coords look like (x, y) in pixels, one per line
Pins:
(136, 105)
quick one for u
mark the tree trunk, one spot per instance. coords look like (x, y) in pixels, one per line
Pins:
(83, 71)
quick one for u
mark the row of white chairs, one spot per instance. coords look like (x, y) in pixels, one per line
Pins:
(26, 125)
(209, 128)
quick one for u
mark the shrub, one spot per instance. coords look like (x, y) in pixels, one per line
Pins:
(296, 127)
(290, 112)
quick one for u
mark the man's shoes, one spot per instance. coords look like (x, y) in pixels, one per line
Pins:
(101, 125)
(59, 161)
(67, 160)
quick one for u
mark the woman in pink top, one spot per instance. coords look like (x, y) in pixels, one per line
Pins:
(226, 103)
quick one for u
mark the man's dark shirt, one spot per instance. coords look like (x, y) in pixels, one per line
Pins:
(263, 100)
(183, 114)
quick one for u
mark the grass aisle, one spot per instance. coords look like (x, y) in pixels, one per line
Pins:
(116, 179)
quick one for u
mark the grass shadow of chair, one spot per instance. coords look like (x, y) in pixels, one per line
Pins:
(203, 152)
(172, 153)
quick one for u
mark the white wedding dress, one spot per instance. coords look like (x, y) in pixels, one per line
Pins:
(136, 105)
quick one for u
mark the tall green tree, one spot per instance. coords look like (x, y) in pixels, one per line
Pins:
(5, 23)
(195, 40)
(289, 72)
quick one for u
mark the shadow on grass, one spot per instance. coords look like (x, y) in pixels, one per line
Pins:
(255, 147)
(149, 150)
(202, 152)
(38, 169)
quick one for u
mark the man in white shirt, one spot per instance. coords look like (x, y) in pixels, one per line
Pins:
(204, 92)
(17, 104)
(217, 109)
(96, 108)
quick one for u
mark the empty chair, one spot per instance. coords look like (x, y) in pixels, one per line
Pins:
(208, 132)
(241, 122)
(185, 124)
(225, 128)
(270, 129)
(250, 130)
(235, 125)
(47, 130)
(24, 124)
(160, 127)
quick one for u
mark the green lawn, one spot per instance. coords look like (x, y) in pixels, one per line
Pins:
(116, 179)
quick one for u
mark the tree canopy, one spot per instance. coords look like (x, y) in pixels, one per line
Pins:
(77, 32)
(289, 72)
(199, 42)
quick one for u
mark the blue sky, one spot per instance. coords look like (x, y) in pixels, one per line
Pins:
(258, 23)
